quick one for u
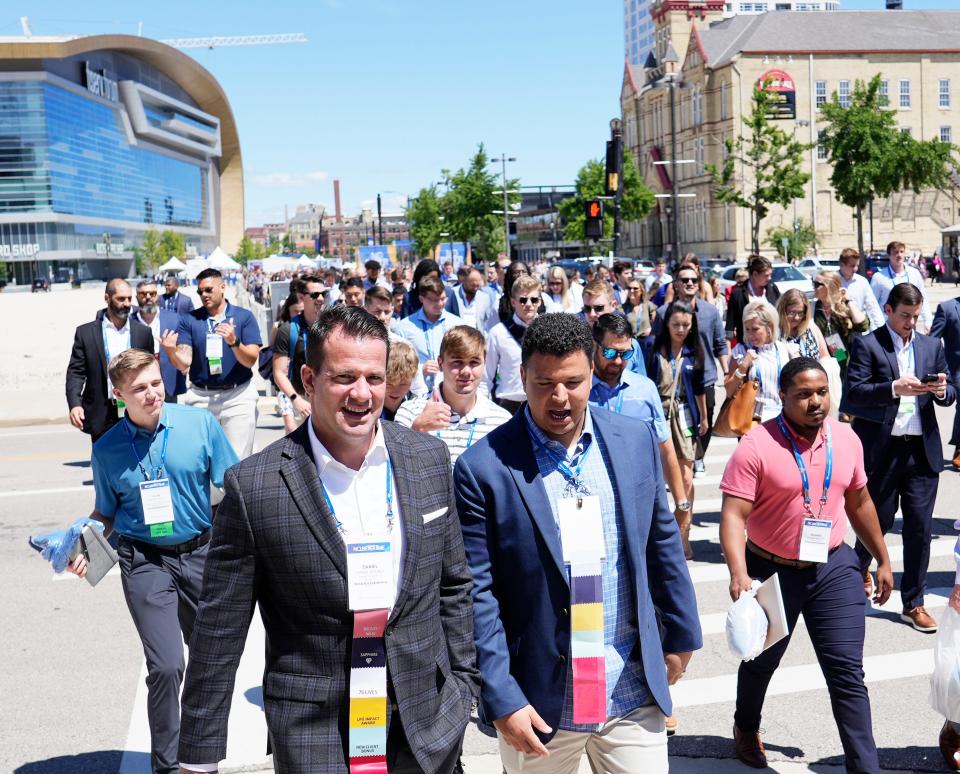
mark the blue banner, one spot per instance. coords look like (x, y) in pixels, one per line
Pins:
(459, 253)
(379, 253)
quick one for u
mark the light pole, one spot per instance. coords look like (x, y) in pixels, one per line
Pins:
(616, 137)
(379, 221)
(671, 80)
(796, 123)
(506, 206)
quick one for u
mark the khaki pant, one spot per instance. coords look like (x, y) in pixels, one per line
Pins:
(234, 409)
(626, 745)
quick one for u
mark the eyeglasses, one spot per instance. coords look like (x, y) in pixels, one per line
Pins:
(818, 284)
(524, 300)
(596, 308)
(315, 295)
(796, 315)
(204, 291)
(688, 280)
(555, 282)
(612, 354)
(147, 293)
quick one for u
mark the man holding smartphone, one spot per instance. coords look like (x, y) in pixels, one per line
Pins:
(894, 378)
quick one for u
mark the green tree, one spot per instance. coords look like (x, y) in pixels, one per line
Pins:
(771, 160)
(149, 254)
(871, 158)
(173, 244)
(799, 240)
(288, 244)
(245, 250)
(424, 219)
(636, 201)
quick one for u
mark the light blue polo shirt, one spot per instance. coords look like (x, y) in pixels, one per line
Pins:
(198, 454)
(634, 396)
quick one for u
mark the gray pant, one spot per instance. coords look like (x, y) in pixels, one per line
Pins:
(162, 591)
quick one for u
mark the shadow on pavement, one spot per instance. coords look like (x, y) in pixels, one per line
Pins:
(77, 464)
(694, 746)
(84, 763)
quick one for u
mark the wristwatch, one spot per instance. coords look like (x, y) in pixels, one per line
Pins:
(293, 396)
(684, 506)
(740, 374)
(235, 344)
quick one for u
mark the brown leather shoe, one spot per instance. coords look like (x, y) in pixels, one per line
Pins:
(956, 457)
(919, 619)
(749, 748)
(868, 583)
(950, 746)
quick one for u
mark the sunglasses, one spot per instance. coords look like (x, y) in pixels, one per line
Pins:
(315, 295)
(596, 308)
(524, 300)
(688, 280)
(632, 288)
(204, 291)
(555, 282)
(147, 293)
(612, 354)
(817, 284)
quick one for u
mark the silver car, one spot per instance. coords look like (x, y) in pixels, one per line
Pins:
(785, 277)
(812, 266)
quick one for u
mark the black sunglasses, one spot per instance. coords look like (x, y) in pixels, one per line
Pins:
(315, 295)
(817, 284)
(596, 308)
(688, 280)
(204, 291)
(524, 300)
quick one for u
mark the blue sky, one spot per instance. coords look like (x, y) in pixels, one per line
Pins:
(389, 92)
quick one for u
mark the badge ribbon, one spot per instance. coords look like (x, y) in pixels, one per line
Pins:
(368, 693)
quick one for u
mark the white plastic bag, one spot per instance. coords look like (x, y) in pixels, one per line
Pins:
(746, 625)
(945, 680)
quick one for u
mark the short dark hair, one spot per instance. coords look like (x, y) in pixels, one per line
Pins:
(371, 265)
(207, 274)
(906, 294)
(758, 263)
(378, 292)
(354, 282)
(615, 324)
(621, 266)
(430, 284)
(306, 279)
(798, 365)
(895, 246)
(145, 283)
(557, 334)
(355, 322)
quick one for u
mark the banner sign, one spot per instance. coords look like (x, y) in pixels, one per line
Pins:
(783, 95)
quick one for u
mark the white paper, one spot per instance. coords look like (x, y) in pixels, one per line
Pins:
(581, 528)
(370, 583)
(156, 501)
(770, 598)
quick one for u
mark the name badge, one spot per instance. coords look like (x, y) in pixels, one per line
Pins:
(815, 540)
(215, 353)
(686, 415)
(370, 575)
(907, 407)
(157, 507)
(581, 528)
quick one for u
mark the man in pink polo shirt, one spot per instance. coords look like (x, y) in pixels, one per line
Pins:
(788, 491)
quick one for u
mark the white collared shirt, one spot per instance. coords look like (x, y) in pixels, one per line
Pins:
(906, 423)
(882, 282)
(359, 497)
(154, 328)
(115, 341)
(503, 358)
(860, 293)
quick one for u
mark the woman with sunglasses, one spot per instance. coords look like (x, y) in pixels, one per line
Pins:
(796, 327)
(502, 375)
(640, 312)
(675, 364)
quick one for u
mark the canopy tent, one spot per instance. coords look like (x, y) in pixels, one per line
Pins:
(173, 266)
(195, 266)
(305, 262)
(278, 263)
(219, 259)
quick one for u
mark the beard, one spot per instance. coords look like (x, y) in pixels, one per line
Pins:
(149, 309)
(120, 312)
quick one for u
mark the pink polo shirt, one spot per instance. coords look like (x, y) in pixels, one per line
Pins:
(764, 471)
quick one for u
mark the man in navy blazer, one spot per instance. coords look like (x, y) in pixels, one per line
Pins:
(509, 488)
(894, 378)
(160, 321)
(946, 326)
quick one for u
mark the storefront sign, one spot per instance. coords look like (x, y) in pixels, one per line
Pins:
(19, 251)
(98, 83)
(113, 248)
(783, 95)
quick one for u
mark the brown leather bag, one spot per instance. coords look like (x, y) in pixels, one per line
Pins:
(736, 414)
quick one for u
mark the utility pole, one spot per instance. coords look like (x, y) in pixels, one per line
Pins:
(615, 177)
(379, 220)
(506, 206)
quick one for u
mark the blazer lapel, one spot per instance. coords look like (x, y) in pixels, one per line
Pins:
(886, 342)
(299, 472)
(411, 519)
(98, 343)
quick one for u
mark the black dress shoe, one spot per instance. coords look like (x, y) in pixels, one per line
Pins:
(950, 746)
(749, 748)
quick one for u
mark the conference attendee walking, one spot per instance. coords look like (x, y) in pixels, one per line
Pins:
(456, 412)
(94, 408)
(345, 534)
(895, 377)
(502, 375)
(788, 492)
(640, 312)
(468, 301)
(837, 317)
(946, 327)
(858, 288)
(565, 297)
(425, 328)
(152, 474)
(796, 325)
(758, 286)
(583, 607)
(159, 320)
(599, 298)
(219, 344)
(760, 358)
(172, 299)
(898, 272)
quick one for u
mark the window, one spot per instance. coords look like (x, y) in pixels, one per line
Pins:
(822, 154)
(904, 94)
(820, 93)
(943, 94)
(883, 93)
(945, 134)
(905, 130)
(843, 94)
(723, 100)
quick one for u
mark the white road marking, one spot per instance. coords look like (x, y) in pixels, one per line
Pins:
(39, 431)
(53, 490)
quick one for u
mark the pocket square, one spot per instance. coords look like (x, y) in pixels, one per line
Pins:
(428, 517)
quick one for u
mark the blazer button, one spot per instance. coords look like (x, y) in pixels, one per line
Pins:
(563, 612)
(562, 659)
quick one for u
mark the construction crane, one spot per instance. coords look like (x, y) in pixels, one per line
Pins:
(237, 40)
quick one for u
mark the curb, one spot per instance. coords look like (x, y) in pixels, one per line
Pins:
(60, 419)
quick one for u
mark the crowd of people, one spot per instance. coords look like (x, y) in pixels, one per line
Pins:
(470, 503)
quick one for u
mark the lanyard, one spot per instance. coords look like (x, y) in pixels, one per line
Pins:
(333, 512)
(804, 478)
(473, 428)
(893, 277)
(106, 343)
(139, 459)
(572, 475)
(756, 368)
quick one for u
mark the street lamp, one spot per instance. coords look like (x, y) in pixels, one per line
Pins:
(506, 206)
(616, 137)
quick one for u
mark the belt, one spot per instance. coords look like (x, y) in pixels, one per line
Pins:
(180, 548)
(906, 438)
(763, 554)
(218, 387)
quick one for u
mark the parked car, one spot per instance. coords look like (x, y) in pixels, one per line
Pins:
(876, 262)
(812, 266)
(785, 276)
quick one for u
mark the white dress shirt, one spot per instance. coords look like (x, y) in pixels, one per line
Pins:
(503, 356)
(115, 341)
(861, 294)
(907, 421)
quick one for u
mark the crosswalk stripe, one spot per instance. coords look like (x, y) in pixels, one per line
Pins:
(54, 490)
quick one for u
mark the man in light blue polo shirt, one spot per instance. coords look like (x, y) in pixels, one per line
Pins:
(152, 473)
(622, 391)
(425, 328)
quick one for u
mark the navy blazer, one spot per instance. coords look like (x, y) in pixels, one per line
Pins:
(521, 593)
(946, 326)
(174, 382)
(693, 379)
(869, 395)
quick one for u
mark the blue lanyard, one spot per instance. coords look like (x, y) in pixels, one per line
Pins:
(574, 484)
(804, 478)
(619, 407)
(139, 459)
(333, 511)
(106, 346)
(473, 428)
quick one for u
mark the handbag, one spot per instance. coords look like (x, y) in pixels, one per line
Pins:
(736, 414)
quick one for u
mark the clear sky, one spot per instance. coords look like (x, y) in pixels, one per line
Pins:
(389, 92)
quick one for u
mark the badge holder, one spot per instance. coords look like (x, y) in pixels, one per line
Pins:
(157, 507)
(215, 353)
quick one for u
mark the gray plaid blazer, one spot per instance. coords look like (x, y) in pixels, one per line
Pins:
(275, 544)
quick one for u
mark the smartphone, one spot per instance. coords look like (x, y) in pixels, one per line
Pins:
(930, 379)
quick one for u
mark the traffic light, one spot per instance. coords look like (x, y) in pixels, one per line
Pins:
(612, 168)
(593, 228)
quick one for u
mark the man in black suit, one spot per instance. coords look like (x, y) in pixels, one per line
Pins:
(946, 326)
(172, 299)
(758, 285)
(894, 378)
(344, 487)
(89, 395)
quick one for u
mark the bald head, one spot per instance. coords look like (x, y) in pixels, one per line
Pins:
(119, 297)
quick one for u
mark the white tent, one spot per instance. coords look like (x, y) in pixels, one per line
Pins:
(278, 263)
(219, 259)
(174, 265)
(305, 262)
(195, 266)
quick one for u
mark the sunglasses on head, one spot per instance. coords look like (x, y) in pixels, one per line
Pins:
(612, 354)
(524, 300)
(596, 308)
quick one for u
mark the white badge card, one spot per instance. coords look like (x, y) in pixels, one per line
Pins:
(581, 528)
(907, 407)
(156, 501)
(215, 353)
(370, 575)
(815, 540)
(834, 340)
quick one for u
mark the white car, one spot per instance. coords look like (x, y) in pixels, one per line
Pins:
(785, 276)
(812, 266)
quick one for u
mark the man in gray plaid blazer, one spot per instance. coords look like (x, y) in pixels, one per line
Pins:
(279, 542)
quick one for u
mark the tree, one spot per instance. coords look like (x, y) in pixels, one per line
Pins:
(636, 201)
(423, 215)
(172, 244)
(871, 158)
(799, 239)
(246, 250)
(158, 248)
(771, 160)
